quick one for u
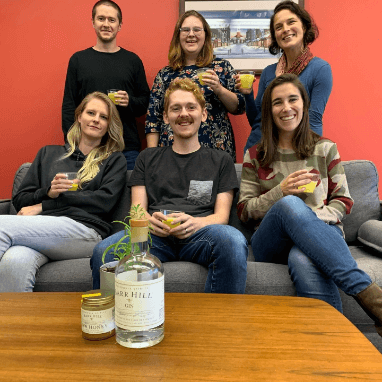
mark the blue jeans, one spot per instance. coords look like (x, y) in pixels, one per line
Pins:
(310, 281)
(221, 248)
(131, 157)
(291, 229)
(28, 242)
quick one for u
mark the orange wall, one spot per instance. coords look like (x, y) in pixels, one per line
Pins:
(39, 36)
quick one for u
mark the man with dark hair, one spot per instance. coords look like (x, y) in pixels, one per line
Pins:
(198, 180)
(107, 66)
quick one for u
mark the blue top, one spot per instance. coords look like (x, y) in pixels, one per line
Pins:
(217, 131)
(317, 79)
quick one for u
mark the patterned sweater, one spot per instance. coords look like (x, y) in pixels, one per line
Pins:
(260, 186)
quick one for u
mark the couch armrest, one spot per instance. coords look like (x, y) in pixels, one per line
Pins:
(5, 205)
(370, 234)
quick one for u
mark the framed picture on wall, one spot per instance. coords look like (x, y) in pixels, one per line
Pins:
(240, 30)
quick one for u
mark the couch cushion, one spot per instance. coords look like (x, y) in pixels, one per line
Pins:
(362, 177)
(64, 276)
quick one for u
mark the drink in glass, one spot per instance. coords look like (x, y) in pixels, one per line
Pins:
(111, 94)
(72, 176)
(200, 73)
(170, 218)
(310, 187)
(246, 78)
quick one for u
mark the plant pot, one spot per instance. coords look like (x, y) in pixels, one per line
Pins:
(107, 276)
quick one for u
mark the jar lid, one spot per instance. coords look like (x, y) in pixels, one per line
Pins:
(98, 296)
(139, 223)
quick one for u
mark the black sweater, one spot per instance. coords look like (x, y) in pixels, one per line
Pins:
(91, 205)
(90, 70)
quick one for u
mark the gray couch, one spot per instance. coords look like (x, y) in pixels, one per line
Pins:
(363, 230)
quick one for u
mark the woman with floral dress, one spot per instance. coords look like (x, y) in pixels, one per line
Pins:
(190, 49)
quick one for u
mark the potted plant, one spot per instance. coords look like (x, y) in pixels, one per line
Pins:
(121, 249)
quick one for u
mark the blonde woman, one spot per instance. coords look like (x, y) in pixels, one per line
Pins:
(191, 49)
(54, 223)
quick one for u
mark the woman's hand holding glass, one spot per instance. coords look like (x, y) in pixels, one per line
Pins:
(211, 79)
(240, 88)
(289, 186)
(60, 184)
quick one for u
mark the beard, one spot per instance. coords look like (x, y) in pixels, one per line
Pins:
(184, 134)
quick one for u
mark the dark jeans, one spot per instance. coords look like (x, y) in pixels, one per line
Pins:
(131, 157)
(220, 248)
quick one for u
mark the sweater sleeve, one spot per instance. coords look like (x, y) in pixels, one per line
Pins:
(231, 81)
(154, 117)
(339, 202)
(252, 202)
(253, 106)
(139, 100)
(322, 88)
(30, 191)
(70, 94)
(101, 200)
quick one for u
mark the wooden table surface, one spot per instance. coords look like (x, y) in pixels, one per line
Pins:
(207, 338)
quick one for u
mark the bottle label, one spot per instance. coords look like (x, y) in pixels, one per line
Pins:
(97, 321)
(139, 305)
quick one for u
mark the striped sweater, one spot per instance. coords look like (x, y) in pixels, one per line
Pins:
(260, 186)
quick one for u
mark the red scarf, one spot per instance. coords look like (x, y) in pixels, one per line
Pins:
(298, 65)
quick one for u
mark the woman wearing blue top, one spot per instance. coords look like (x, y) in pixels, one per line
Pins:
(292, 31)
(190, 49)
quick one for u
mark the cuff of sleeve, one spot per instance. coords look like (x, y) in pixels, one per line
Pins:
(370, 234)
(41, 195)
(50, 204)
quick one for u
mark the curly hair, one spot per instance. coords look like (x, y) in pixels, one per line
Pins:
(176, 56)
(111, 142)
(310, 28)
(304, 139)
(187, 85)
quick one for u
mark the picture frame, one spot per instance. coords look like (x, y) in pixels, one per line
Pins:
(240, 29)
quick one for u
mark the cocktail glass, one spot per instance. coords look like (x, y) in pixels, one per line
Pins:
(310, 187)
(72, 176)
(170, 217)
(111, 94)
(201, 72)
(246, 78)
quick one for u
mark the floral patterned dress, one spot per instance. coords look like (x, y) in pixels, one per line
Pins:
(217, 131)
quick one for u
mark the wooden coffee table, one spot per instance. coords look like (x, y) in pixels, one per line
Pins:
(207, 338)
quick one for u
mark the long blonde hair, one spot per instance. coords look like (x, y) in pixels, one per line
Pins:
(176, 57)
(111, 142)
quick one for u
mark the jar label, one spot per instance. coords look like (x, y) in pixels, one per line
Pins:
(139, 305)
(97, 321)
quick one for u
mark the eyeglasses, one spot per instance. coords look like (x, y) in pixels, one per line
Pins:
(187, 30)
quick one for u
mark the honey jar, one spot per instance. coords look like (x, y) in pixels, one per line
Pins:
(97, 315)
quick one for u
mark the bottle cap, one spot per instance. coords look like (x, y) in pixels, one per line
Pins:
(98, 296)
(139, 223)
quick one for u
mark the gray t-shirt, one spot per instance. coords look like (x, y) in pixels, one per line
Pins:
(188, 183)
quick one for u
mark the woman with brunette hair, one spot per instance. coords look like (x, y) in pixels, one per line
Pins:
(292, 31)
(302, 229)
(190, 49)
(53, 222)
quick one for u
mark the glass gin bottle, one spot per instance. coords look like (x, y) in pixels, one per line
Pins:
(139, 293)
